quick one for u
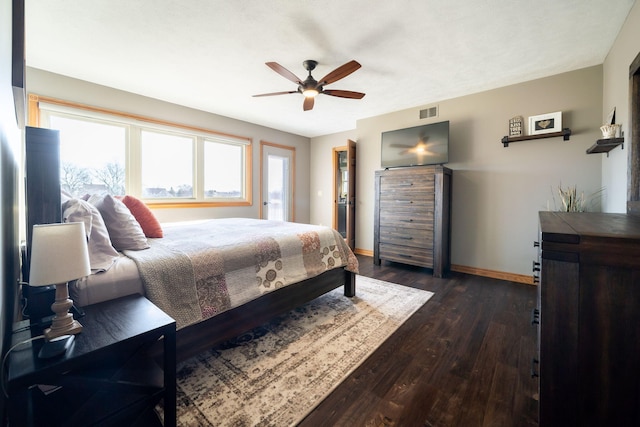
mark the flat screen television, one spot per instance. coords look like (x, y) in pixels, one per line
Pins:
(416, 146)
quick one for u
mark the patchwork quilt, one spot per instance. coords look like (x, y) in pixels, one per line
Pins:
(200, 269)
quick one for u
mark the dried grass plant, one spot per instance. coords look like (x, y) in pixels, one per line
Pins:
(572, 201)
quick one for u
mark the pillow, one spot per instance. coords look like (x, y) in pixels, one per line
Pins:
(124, 230)
(101, 254)
(65, 196)
(147, 220)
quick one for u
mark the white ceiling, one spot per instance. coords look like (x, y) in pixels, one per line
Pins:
(210, 54)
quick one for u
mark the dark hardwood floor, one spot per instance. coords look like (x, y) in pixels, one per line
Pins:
(463, 359)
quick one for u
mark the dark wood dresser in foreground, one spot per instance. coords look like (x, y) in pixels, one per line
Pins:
(589, 319)
(412, 217)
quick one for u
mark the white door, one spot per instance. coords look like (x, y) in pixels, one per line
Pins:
(276, 193)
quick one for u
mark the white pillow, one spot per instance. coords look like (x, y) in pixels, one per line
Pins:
(101, 254)
(124, 230)
(65, 196)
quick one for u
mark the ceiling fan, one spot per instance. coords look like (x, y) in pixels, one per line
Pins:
(311, 87)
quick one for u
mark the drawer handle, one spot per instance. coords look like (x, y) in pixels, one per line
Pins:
(405, 238)
(534, 371)
(535, 316)
(405, 256)
(406, 184)
(536, 266)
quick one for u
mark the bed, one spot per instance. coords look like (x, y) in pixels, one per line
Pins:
(228, 275)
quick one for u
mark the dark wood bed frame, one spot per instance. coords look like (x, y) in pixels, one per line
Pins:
(43, 186)
(229, 324)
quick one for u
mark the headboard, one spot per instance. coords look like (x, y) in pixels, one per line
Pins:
(43, 206)
(42, 181)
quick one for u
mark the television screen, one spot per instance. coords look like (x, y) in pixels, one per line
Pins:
(416, 146)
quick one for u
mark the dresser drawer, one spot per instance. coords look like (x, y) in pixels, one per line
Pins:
(415, 195)
(415, 221)
(410, 183)
(413, 204)
(407, 237)
(407, 254)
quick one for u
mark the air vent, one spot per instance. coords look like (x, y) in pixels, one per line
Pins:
(429, 112)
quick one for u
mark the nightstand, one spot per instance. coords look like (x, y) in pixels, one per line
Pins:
(106, 377)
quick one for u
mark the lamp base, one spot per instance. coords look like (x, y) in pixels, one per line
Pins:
(56, 346)
(65, 328)
(63, 322)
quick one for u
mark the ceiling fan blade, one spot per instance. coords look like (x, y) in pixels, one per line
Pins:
(283, 72)
(340, 72)
(308, 103)
(276, 93)
(344, 93)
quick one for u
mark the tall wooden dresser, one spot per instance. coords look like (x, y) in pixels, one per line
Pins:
(589, 319)
(412, 217)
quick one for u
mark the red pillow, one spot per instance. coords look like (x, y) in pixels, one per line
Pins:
(147, 220)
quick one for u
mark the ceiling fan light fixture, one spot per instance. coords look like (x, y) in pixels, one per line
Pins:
(310, 87)
(310, 92)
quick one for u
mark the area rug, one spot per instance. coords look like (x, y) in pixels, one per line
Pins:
(276, 374)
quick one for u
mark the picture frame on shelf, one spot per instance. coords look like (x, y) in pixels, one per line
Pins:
(545, 123)
(516, 126)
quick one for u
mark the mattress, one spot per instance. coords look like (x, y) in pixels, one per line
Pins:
(120, 280)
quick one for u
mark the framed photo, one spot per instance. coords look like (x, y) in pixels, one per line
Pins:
(545, 123)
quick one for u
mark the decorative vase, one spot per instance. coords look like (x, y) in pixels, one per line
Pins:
(609, 131)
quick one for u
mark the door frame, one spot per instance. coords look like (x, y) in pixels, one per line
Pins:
(351, 196)
(336, 169)
(350, 148)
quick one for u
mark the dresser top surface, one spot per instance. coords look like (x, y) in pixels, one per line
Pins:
(415, 170)
(576, 226)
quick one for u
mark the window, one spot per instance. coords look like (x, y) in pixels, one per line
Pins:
(92, 156)
(104, 151)
(222, 179)
(167, 165)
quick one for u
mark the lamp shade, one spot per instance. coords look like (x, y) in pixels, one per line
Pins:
(58, 254)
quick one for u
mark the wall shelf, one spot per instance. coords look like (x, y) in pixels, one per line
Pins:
(605, 145)
(565, 133)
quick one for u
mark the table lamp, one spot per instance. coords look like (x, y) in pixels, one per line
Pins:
(59, 254)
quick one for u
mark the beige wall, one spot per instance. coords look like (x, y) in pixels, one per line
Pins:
(497, 191)
(57, 86)
(616, 94)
